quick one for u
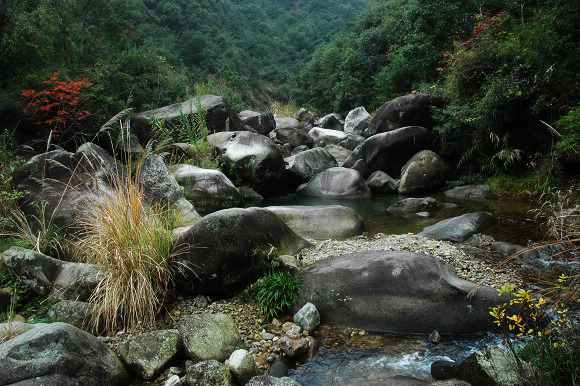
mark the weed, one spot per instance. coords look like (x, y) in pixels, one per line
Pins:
(474, 178)
(133, 243)
(284, 109)
(275, 292)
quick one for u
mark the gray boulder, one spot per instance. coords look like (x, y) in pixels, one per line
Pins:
(362, 167)
(414, 205)
(293, 137)
(309, 163)
(308, 318)
(321, 222)
(517, 251)
(320, 134)
(219, 116)
(72, 312)
(225, 250)
(287, 123)
(161, 188)
(407, 110)
(425, 171)
(351, 142)
(396, 292)
(357, 121)
(47, 276)
(494, 366)
(459, 229)
(262, 123)
(336, 182)
(148, 354)
(13, 328)
(305, 116)
(66, 183)
(208, 189)
(390, 151)
(469, 191)
(242, 366)
(381, 183)
(59, 354)
(331, 121)
(210, 372)
(339, 153)
(209, 336)
(267, 380)
(251, 159)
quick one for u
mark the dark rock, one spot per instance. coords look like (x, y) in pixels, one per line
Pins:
(281, 367)
(208, 189)
(425, 171)
(287, 123)
(219, 116)
(209, 336)
(292, 137)
(336, 182)
(59, 354)
(396, 292)
(459, 229)
(261, 123)
(225, 250)
(5, 299)
(351, 142)
(148, 354)
(361, 167)
(305, 116)
(249, 194)
(339, 153)
(251, 159)
(321, 222)
(299, 149)
(517, 251)
(381, 183)
(72, 312)
(309, 163)
(52, 277)
(295, 348)
(408, 110)
(443, 369)
(390, 151)
(331, 121)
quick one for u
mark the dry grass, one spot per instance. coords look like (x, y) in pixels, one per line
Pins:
(284, 109)
(133, 242)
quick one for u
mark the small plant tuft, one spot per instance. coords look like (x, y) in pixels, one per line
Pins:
(275, 292)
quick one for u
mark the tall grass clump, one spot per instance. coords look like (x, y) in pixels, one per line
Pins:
(133, 242)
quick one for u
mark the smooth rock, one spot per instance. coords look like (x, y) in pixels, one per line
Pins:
(459, 229)
(381, 183)
(309, 163)
(210, 372)
(425, 171)
(469, 191)
(242, 366)
(414, 205)
(308, 318)
(357, 121)
(336, 182)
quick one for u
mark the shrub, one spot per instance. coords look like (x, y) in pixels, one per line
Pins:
(275, 292)
(133, 243)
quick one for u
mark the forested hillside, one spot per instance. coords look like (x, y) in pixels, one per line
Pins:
(510, 70)
(145, 54)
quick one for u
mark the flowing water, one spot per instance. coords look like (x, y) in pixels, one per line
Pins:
(381, 360)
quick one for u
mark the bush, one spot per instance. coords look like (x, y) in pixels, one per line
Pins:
(133, 243)
(275, 292)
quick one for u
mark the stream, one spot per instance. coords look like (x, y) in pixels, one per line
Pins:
(346, 358)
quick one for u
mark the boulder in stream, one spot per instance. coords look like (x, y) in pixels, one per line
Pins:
(336, 182)
(458, 229)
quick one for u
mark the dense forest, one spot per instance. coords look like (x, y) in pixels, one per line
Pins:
(145, 54)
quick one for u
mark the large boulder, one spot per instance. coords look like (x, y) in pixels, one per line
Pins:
(414, 205)
(381, 183)
(262, 123)
(210, 372)
(148, 354)
(219, 116)
(425, 171)
(469, 191)
(293, 137)
(287, 123)
(407, 110)
(209, 336)
(336, 182)
(390, 151)
(208, 189)
(357, 121)
(309, 163)
(460, 228)
(65, 183)
(161, 188)
(327, 135)
(251, 159)
(321, 222)
(339, 153)
(225, 250)
(396, 292)
(47, 276)
(59, 354)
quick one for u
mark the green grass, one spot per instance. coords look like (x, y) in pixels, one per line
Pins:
(275, 293)
(559, 364)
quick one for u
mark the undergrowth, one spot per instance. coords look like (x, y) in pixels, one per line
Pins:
(275, 293)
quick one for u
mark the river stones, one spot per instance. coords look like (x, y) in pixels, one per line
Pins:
(321, 222)
(390, 151)
(251, 159)
(227, 249)
(309, 163)
(459, 229)
(357, 121)
(396, 292)
(425, 171)
(336, 182)
(59, 354)
(219, 116)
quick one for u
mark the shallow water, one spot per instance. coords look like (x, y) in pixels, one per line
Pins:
(515, 223)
